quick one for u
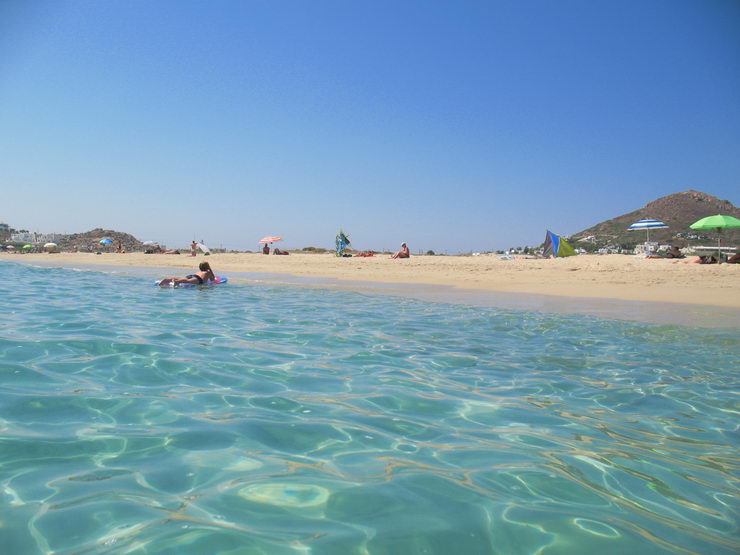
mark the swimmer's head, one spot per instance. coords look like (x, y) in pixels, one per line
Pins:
(204, 266)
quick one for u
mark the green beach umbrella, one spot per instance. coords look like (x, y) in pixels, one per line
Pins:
(718, 222)
(27, 246)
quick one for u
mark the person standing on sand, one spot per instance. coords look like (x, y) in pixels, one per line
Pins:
(199, 278)
(403, 253)
(193, 246)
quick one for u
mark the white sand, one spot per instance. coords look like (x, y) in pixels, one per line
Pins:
(586, 276)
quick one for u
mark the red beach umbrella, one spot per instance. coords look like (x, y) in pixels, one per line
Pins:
(270, 239)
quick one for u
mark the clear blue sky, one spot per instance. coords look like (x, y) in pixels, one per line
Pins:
(454, 126)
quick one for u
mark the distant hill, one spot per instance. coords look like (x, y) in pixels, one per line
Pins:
(678, 210)
(91, 240)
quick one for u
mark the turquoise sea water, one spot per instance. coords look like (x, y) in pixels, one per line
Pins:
(243, 419)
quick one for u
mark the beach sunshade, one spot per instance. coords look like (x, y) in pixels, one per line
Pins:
(106, 241)
(342, 242)
(647, 225)
(556, 246)
(203, 248)
(270, 239)
(50, 246)
(718, 222)
(27, 246)
(150, 243)
(9, 247)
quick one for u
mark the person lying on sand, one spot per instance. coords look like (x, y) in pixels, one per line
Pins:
(158, 250)
(734, 259)
(403, 253)
(706, 259)
(199, 278)
(675, 252)
(278, 251)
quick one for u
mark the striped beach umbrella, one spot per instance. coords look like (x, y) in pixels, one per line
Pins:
(647, 225)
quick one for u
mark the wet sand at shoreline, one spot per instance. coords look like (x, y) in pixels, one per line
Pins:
(587, 276)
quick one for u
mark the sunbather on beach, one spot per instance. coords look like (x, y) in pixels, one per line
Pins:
(675, 252)
(278, 251)
(403, 253)
(706, 259)
(266, 249)
(734, 259)
(205, 274)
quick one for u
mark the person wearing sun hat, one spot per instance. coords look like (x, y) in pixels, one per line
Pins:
(403, 253)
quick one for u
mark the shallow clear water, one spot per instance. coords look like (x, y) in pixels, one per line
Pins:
(287, 420)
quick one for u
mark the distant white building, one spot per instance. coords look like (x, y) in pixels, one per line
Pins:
(30, 237)
(23, 237)
(646, 248)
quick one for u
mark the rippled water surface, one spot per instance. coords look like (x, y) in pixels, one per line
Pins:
(287, 420)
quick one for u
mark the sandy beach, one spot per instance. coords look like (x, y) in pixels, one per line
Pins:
(586, 276)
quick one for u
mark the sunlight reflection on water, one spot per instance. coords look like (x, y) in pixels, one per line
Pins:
(292, 419)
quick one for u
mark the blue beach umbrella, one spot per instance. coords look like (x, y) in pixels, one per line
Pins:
(647, 225)
(106, 241)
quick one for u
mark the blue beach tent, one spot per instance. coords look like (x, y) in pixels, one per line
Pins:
(556, 246)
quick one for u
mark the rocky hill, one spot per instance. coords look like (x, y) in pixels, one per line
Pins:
(678, 210)
(90, 240)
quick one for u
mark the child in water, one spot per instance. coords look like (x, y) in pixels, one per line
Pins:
(204, 275)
